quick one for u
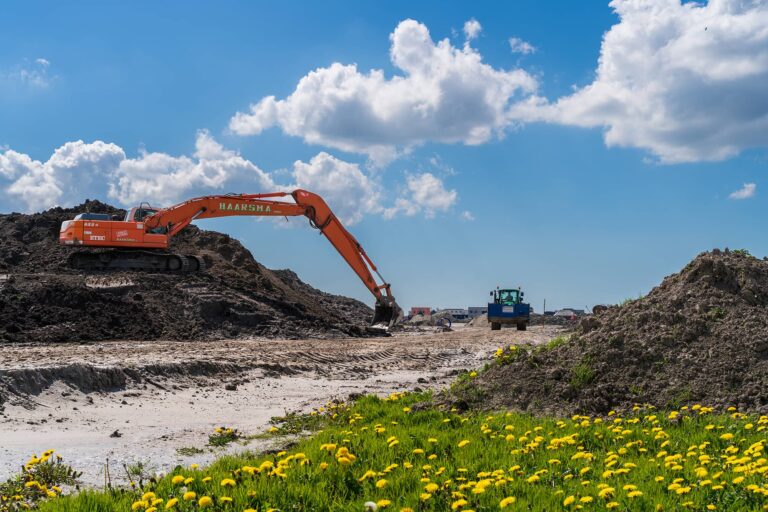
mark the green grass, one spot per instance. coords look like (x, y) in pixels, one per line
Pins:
(538, 461)
(223, 436)
(554, 343)
(582, 374)
(189, 451)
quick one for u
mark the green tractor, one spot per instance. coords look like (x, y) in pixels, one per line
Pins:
(508, 308)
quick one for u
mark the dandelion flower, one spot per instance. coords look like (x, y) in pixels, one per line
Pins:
(509, 500)
(380, 484)
(463, 443)
(171, 503)
(205, 501)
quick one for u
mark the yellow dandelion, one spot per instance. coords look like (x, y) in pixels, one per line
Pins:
(509, 500)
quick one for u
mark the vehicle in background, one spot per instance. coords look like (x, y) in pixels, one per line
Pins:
(508, 308)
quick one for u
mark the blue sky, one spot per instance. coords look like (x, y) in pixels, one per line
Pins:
(584, 181)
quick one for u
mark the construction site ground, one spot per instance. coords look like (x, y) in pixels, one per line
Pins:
(129, 401)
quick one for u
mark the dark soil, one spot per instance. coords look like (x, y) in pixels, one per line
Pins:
(701, 336)
(43, 300)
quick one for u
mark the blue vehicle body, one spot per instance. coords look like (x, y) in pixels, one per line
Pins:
(508, 308)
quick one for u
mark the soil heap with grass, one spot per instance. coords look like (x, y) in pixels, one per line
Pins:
(701, 336)
(43, 300)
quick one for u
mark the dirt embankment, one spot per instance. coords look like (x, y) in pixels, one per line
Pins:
(42, 300)
(700, 336)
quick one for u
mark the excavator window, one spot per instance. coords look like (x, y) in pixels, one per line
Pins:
(141, 213)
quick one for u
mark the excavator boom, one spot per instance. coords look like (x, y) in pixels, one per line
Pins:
(151, 229)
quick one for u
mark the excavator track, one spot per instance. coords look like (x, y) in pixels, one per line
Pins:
(136, 260)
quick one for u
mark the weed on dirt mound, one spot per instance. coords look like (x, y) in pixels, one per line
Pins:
(701, 336)
(43, 300)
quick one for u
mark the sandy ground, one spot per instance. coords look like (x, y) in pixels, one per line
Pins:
(186, 396)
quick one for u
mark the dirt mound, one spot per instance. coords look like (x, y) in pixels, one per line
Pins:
(701, 336)
(42, 300)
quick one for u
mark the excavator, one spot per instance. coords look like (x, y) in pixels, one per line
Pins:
(141, 241)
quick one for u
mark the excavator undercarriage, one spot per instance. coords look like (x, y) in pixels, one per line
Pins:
(156, 261)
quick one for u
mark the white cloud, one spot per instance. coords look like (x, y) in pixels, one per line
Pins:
(31, 74)
(444, 94)
(689, 81)
(78, 169)
(156, 177)
(425, 193)
(467, 215)
(350, 193)
(72, 166)
(472, 29)
(517, 45)
(745, 192)
(164, 179)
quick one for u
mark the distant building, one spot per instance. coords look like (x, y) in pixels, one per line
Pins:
(456, 314)
(569, 312)
(421, 310)
(476, 311)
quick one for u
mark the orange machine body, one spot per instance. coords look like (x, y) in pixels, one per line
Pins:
(145, 227)
(110, 233)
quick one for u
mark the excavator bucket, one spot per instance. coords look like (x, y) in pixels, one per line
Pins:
(386, 314)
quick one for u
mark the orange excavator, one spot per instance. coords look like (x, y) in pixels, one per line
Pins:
(142, 240)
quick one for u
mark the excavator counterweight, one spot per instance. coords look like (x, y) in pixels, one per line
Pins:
(141, 240)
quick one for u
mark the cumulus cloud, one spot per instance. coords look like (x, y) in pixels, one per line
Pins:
(444, 94)
(349, 191)
(156, 177)
(517, 45)
(467, 215)
(165, 179)
(745, 192)
(687, 81)
(425, 193)
(472, 29)
(78, 169)
(72, 166)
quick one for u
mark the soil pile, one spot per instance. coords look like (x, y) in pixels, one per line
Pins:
(701, 336)
(42, 300)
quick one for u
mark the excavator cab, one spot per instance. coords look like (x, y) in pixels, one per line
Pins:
(139, 213)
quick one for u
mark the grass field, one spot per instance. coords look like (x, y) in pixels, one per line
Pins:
(402, 453)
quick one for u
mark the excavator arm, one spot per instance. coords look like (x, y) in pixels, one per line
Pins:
(171, 220)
